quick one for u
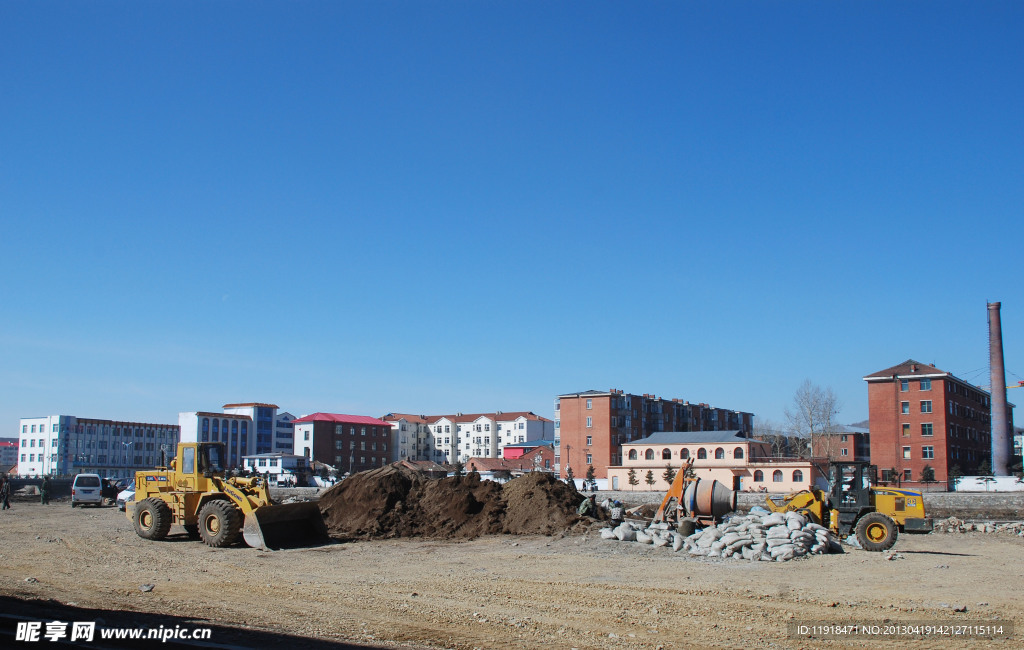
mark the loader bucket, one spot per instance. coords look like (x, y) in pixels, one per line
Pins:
(285, 526)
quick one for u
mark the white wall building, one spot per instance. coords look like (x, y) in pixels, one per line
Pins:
(459, 437)
(246, 429)
(66, 444)
(283, 469)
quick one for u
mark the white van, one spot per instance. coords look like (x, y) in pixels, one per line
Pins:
(87, 488)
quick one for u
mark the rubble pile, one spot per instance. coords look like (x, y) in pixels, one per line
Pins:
(754, 537)
(394, 501)
(954, 525)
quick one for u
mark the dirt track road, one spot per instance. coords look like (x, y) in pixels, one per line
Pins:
(523, 592)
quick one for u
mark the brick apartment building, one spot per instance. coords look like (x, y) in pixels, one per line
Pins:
(920, 415)
(348, 443)
(592, 426)
(846, 443)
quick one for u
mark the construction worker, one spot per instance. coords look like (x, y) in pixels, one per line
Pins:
(617, 513)
(588, 508)
(5, 494)
(44, 491)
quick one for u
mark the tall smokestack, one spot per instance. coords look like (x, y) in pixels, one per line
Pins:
(1001, 443)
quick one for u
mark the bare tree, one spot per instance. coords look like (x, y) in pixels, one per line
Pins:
(813, 416)
(772, 433)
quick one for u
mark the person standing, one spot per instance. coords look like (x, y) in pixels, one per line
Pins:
(5, 494)
(44, 491)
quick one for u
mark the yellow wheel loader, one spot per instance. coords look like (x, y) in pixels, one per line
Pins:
(194, 492)
(874, 514)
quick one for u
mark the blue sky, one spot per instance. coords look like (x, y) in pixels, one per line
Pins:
(464, 206)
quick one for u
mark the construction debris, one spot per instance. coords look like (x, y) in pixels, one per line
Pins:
(954, 525)
(395, 501)
(756, 536)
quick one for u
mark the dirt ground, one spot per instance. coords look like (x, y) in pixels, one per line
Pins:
(577, 591)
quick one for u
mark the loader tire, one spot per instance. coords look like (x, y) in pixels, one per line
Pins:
(876, 532)
(220, 522)
(152, 519)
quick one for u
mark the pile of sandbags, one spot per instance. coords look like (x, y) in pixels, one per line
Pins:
(756, 536)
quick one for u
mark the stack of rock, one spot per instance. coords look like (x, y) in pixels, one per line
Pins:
(756, 536)
(954, 525)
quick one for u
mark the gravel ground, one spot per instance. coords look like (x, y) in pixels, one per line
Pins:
(502, 591)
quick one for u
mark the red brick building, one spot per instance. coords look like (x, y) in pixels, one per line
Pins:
(590, 427)
(348, 443)
(847, 443)
(920, 415)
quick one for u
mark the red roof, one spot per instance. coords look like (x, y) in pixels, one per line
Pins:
(341, 417)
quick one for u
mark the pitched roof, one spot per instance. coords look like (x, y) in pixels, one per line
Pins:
(690, 438)
(908, 368)
(269, 406)
(341, 417)
(421, 419)
(497, 416)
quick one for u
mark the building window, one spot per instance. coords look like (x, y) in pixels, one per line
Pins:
(305, 435)
(926, 384)
(684, 454)
(926, 429)
(777, 476)
(590, 440)
(362, 431)
(590, 459)
(844, 452)
(907, 475)
(904, 385)
(906, 453)
(649, 454)
(906, 430)
(590, 422)
(758, 476)
(928, 452)
(590, 404)
(702, 454)
(798, 476)
(666, 454)
(719, 454)
(904, 407)
(926, 406)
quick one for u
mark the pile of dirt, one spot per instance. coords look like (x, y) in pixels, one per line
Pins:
(394, 501)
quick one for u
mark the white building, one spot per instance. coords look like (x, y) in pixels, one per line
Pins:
(283, 469)
(412, 436)
(246, 429)
(235, 431)
(66, 444)
(459, 437)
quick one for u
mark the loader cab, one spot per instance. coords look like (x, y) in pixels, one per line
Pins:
(850, 486)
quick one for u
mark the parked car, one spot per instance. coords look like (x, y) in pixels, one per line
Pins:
(87, 488)
(110, 489)
(124, 496)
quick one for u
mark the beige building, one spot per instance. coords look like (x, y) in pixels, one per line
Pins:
(726, 456)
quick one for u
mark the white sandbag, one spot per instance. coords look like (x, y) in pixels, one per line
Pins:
(660, 540)
(729, 538)
(608, 533)
(774, 519)
(776, 532)
(775, 542)
(816, 527)
(643, 537)
(698, 551)
(717, 545)
(779, 550)
(625, 533)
